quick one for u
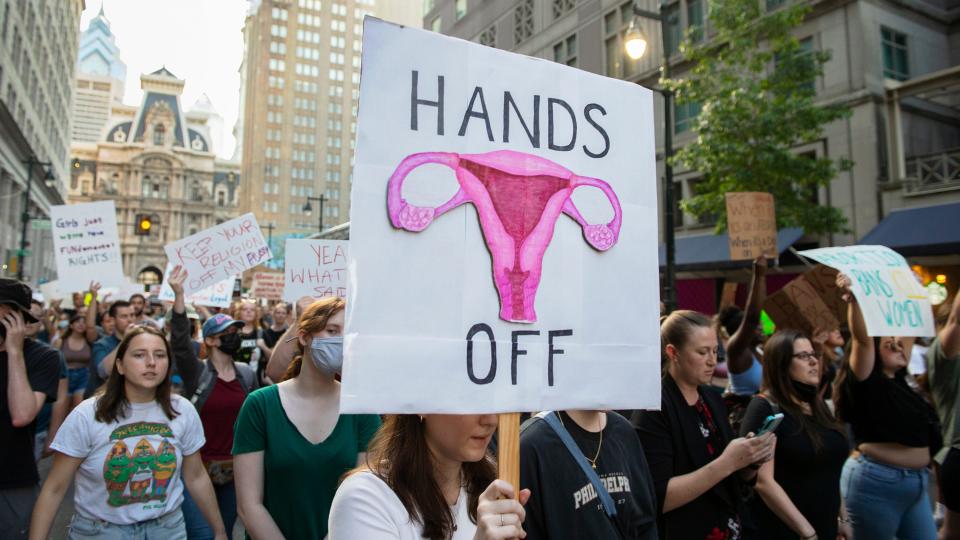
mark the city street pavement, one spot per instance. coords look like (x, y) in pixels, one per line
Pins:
(62, 521)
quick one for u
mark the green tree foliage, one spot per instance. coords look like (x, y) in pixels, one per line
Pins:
(755, 83)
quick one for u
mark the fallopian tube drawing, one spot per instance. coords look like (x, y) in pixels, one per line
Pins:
(518, 198)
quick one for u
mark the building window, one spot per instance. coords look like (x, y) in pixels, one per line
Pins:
(489, 36)
(803, 54)
(896, 64)
(615, 24)
(674, 34)
(686, 114)
(436, 24)
(695, 19)
(461, 8)
(565, 52)
(427, 6)
(561, 7)
(523, 21)
(221, 198)
(696, 187)
(159, 134)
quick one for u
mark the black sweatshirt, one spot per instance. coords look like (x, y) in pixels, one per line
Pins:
(563, 502)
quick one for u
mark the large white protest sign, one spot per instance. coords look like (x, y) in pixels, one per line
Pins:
(502, 304)
(86, 245)
(315, 268)
(892, 300)
(217, 295)
(220, 252)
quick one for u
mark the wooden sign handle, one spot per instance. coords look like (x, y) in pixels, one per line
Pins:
(508, 450)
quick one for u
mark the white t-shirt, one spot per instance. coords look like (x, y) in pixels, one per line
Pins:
(365, 507)
(131, 467)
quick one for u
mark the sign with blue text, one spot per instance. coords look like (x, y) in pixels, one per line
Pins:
(503, 242)
(86, 245)
(892, 300)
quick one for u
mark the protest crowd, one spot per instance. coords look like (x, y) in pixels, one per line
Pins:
(865, 443)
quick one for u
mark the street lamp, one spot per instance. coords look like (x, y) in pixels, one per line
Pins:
(635, 45)
(25, 216)
(307, 208)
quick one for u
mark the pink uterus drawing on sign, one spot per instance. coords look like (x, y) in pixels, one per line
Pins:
(518, 198)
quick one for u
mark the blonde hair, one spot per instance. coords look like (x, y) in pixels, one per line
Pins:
(238, 305)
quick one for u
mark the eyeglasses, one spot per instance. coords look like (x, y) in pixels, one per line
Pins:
(892, 346)
(807, 355)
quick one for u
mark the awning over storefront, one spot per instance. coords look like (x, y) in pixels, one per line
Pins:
(930, 230)
(712, 251)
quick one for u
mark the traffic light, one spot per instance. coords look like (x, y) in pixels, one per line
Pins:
(143, 225)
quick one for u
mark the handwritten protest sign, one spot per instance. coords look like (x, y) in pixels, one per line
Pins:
(798, 306)
(497, 202)
(824, 280)
(86, 245)
(892, 301)
(267, 285)
(220, 252)
(751, 224)
(217, 295)
(315, 268)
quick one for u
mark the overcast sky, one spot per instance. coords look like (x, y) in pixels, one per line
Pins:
(200, 41)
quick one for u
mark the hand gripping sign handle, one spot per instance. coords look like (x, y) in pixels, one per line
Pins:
(415, 218)
(601, 236)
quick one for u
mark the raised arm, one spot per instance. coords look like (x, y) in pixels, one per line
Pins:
(23, 402)
(739, 355)
(950, 334)
(92, 309)
(862, 355)
(188, 365)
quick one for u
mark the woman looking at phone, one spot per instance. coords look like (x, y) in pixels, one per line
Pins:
(799, 489)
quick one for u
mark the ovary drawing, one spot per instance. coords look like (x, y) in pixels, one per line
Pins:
(518, 198)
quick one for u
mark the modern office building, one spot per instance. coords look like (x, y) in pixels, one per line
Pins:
(156, 161)
(896, 65)
(99, 80)
(38, 52)
(300, 85)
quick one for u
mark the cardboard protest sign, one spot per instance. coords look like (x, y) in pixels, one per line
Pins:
(751, 225)
(315, 268)
(824, 280)
(220, 252)
(799, 306)
(892, 301)
(86, 245)
(498, 200)
(217, 295)
(267, 285)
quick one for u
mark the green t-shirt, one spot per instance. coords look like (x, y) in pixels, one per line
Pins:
(300, 478)
(943, 377)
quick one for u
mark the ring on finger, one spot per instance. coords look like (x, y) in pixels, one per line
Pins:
(501, 520)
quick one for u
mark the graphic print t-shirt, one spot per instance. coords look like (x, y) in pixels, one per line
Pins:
(131, 467)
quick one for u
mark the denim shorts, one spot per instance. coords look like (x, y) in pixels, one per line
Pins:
(168, 527)
(77, 379)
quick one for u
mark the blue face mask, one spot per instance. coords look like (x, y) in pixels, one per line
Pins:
(327, 354)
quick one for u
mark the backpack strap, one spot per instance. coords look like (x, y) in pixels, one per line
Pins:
(553, 420)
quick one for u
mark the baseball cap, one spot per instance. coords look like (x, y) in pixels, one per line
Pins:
(218, 324)
(17, 294)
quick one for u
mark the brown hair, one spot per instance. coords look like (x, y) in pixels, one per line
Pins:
(112, 397)
(314, 319)
(777, 357)
(399, 455)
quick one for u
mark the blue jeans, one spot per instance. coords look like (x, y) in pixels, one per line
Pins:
(884, 501)
(197, 526)
(168, 527)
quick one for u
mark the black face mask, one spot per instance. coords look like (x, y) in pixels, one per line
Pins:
(806, 392)
(230, 343)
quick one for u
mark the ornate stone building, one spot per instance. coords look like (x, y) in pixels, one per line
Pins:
(156, 161)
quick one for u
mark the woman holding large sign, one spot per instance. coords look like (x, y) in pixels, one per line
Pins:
(884, 483)
(690, 447)
(291, 444)
(428, 477)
